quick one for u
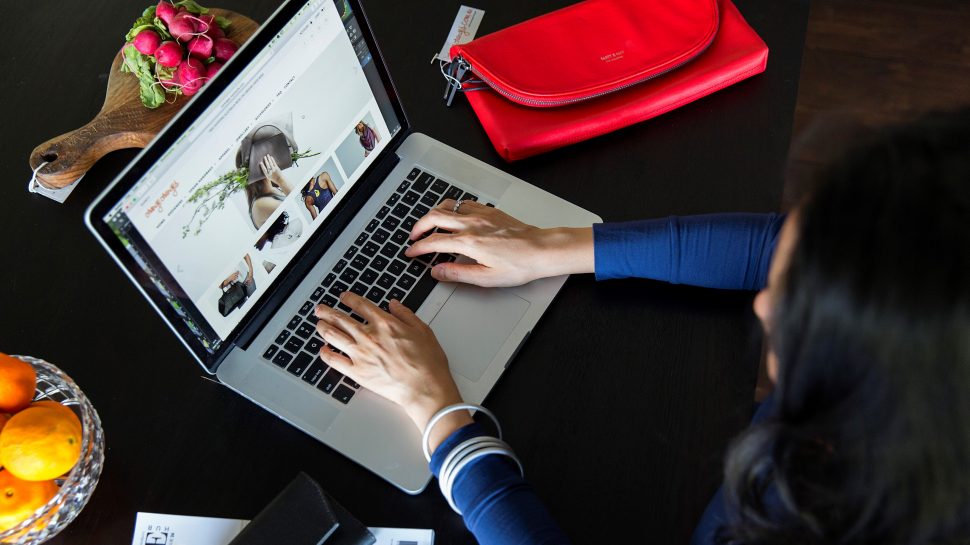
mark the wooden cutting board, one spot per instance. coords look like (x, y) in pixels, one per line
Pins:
(123, 121)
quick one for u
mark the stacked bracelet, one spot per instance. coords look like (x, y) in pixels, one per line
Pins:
(465, 453)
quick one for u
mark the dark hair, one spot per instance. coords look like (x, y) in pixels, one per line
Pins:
(869, 440)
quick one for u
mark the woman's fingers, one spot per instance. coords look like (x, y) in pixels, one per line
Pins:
(442, 218)
(363, 307)
(403, 313)
(466, 273)
(336, 338)
(341, 363)
(439, 242)
(336, 319)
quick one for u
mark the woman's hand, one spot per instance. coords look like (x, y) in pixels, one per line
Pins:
(507, 252)
(395, 355)
(271, 169)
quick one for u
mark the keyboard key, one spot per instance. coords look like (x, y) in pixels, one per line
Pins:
(376, 294)
(410, 198)
(392, 200)
(390, 250)
(396, 293)
(490, 205)
(408, 223)
(386, 281)
(312, 317)
(359, 289)
(300, 363)
(368, 277)
(343, 394)
(339, 266)
(383, 212)
(405, 282)
(330, 380)
(400, 211)
(405, 184)
(426, 258)
(370, 249)
(400, 237)
(429, 199)
(281, 338)
(330, 301)
(328, 280)
(414, 173)
(420, 211)
(439, 186)
(379, 263)
(384, 306)
(390, 223)
(453, 193)
(352, 384)
(315, 371)
(307, 307)
(361, 238)
(416, 268)
(304, 330)
(294, 321)
(338, 288)
(294, 344)
(313, 344)
(359, 262)
(270, 351)
(420, 292)
(469, 197)
(423, 182)
(350, 252)
(443, 258)
(372, 225)
(349, 276)
(380, 236)
(343, 308)
(317, 294)
(397, 267)
(282, 358)
(357, 317)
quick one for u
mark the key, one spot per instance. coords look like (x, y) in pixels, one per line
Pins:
(410, 198)
(317, 294)
(416, 268)
(400, 211)
(315, 371)
(330, 380)
(379, 263)
(423, 182)
(429, 199)
(392, 200)
(414, 173)
(307, 307)
(396, 293)
(304, 330)
(338, 288)
(281, 338)
(361, 238)
(408, 223)
(390, 223)
(343, 394)
(376, 294)
(370, 249)
(405, 282)
(420, 292)
(397, 267)
(282, 358)
(383, 212)
(390, 250)
(351, 382)
(300, 363)
(359, 262)
(350, 252)
(386, 281)
(406, 184)
(439, 186)
(349, 276)
(294, 344)
(339, 266)
(372, 225)
(313, 344)
(328, 280)
(368, 277)
(359, 289)
(330, 301)
(270, 352)
(420, 211)
(294, 321)
(380, 236)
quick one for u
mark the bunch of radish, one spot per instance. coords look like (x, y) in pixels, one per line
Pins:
(174, 48)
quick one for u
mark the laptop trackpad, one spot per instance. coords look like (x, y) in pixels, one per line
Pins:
(474, 324)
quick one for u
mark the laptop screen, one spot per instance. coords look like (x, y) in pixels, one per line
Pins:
(223, 211)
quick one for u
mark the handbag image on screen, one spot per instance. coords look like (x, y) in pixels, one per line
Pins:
(598, 66)
(263, 141)
(232, 298)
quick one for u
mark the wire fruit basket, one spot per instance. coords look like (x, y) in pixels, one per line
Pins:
(77, 486)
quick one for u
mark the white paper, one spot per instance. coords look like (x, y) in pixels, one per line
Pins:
(463, 30)
(160, 529)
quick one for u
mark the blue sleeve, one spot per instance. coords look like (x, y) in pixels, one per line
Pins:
(498, 505)
(729, 251)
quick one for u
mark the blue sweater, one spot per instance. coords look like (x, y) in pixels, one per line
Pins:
(727, 251)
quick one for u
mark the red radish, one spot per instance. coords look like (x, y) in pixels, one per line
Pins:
(169, 54)
(183, 26)
(215, 31)
(224, 48)
(165, 12)
(146, 42)
(201, 47)
(212, 70)
(206, 22)
(168, 84)
(191, 74)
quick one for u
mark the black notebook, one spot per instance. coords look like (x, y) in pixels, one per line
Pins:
(303, 514)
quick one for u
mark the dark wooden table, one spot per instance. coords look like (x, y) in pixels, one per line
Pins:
(621, 404)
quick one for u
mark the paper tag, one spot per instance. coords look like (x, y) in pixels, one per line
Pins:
(58, 195)
(463, 30)
(160, 529)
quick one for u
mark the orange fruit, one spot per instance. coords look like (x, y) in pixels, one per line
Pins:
(17, 382)
(40, 443)
(19, 498)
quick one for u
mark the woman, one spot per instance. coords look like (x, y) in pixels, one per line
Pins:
(266, 195)
(866, 306)
(368, 137)
(318, 193)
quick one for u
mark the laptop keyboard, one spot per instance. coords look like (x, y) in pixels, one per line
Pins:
(375, 267)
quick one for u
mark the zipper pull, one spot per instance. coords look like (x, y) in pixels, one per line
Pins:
(456, 71)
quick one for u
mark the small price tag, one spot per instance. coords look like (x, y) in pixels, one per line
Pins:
(463, 30)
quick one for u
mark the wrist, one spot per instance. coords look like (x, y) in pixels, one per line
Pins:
(570, 251)
(421, 414)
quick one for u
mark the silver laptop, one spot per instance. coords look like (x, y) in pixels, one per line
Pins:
(235, 263)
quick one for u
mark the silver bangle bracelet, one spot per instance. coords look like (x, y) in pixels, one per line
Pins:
(471, 450)
(425, 437)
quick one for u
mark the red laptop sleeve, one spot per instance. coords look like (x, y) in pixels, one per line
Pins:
(601, 65)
